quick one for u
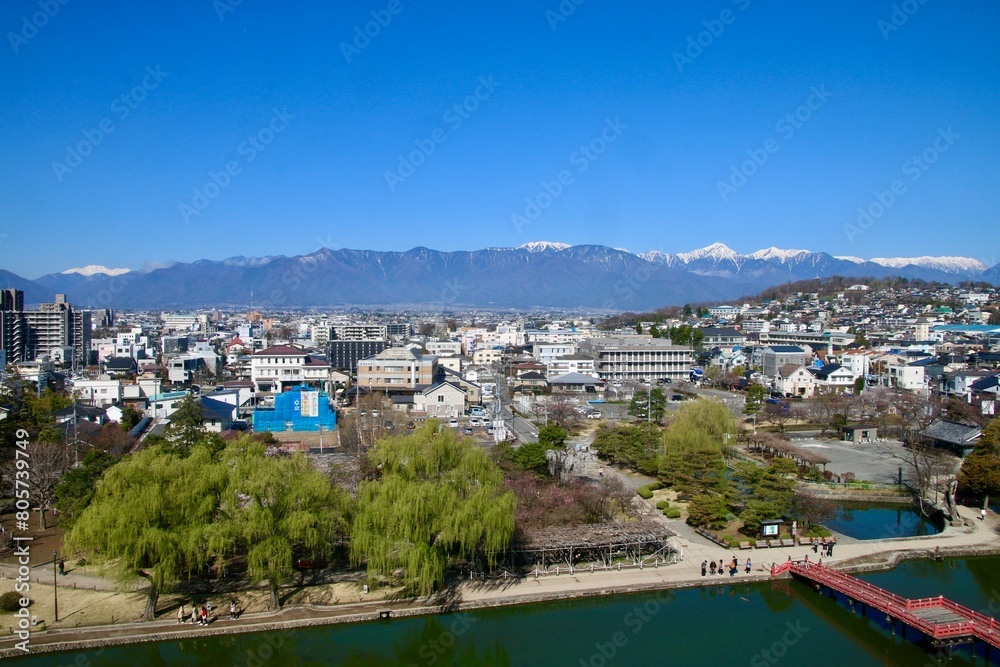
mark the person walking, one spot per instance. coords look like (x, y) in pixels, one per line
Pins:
(829, 550)
(232, 603)
(748, 565)
(180, 613)
(712, 567)
(982, 514)
(704, 567)
(194, 614)
(204, 615)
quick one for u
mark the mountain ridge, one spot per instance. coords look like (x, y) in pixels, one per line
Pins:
(541, 273)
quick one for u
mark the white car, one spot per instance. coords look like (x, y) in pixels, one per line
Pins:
(594, 415)
(475, 421)
(453, 423)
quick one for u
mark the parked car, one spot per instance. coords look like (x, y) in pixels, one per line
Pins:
(475, 421)
(453, 423)
(468, 430)
(594, 415)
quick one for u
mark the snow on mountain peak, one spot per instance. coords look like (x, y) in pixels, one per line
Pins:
(778, 254)
(95, 269)
(945, 264)
(851, 258)
(716, 251)
(542, 246)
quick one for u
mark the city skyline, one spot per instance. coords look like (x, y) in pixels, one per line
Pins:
(152, 135)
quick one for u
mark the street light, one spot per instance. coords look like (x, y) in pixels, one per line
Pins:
(55, 592)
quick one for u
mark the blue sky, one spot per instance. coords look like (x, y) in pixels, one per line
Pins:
(304, 135)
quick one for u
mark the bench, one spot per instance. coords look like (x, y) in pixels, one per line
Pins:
(788, 542)
(774, 543)
(805, 540)
(745, 544)
(762, 544)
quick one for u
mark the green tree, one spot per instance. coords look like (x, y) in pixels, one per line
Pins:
(756, 395)
(276, 508)
(78, 485)
(708, 510)
(437, 497)
(130, 418)
(151, 517)
(552, 437)
(756, 512)
(980, 472)
(638, 327)
(654, 331)
(187, 425)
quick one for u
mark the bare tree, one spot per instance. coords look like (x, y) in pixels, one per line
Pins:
(41, 469)
(561, 411)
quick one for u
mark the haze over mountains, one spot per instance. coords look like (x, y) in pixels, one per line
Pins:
(543, 274)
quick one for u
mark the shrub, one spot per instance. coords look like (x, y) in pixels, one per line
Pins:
(644, 492)
(10, 601)
(662, 505)
(655, 486)
(672, 513)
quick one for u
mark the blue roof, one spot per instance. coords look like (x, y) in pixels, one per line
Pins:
(785, 348)
(168, 396)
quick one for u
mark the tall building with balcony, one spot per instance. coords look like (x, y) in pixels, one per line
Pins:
(27, 334)
(277, 368)
(638, 358)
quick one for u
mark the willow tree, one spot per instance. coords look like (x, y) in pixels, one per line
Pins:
(437, 497)
(693, 447)
(276, 508)
(150, 518)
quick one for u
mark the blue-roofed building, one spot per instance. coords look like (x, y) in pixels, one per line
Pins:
(297, 409)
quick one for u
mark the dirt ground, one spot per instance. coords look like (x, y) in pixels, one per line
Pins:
(43, 542)
(80, 608)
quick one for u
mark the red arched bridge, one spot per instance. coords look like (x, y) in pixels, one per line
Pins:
(940, 619)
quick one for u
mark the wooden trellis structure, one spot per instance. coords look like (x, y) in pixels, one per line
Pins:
(600, 545)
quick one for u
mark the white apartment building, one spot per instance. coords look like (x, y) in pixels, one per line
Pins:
(101, 393)
(274, 369)
(545, 353)
(571, 363)
(638, 359)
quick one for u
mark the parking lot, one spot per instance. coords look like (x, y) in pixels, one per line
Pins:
(875, 462)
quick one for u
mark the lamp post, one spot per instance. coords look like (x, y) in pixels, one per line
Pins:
(55, 591)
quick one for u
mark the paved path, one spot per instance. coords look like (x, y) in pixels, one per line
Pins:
(977, 537)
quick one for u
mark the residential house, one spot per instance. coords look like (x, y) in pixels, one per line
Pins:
(794, 380)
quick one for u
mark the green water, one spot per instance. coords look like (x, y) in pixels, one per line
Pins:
(772, 623)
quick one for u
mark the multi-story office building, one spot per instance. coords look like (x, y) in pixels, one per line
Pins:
(638, 358)
(397, 368)
(344, 355)
(776, 356)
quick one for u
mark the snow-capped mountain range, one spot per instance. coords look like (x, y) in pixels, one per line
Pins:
(540, 273)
